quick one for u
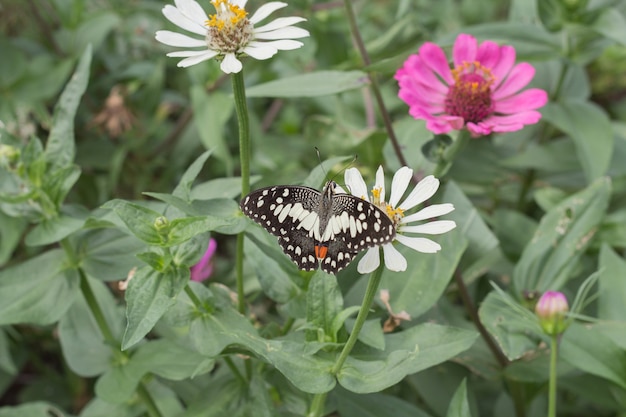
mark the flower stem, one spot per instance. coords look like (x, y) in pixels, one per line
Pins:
(552, 382)
(450, 153)
(317, 405)
(241, 108)
(148, 401)
(194, 298)
(370, 292)
(358, 40)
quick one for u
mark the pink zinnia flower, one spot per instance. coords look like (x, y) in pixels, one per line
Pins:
(481, 92)
(204, 268)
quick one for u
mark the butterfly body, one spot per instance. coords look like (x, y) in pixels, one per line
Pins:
(316, 229)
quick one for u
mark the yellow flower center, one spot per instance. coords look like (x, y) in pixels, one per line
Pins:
(395, 214)
(470, 96)
(376, 196)
(229, 28)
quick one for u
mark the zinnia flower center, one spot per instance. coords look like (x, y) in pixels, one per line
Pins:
(470, 96)
(229, 29)
(395, 214)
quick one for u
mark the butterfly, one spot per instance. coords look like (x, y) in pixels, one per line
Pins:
(318, 229)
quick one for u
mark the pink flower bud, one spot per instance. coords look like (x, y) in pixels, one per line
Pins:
(551, 310)
(204, 268)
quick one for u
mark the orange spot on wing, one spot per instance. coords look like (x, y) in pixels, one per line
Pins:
(321, 251)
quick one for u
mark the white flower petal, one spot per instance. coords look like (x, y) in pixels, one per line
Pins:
(266, 10)
(425, 189)
(185, 54)
(399, 184)
(230, 64)
(281, 22)
(420, 244)
(369, 262)
(281, 45)
(175, 16)
(380, 182)
(433, 228)
(260, 52)
(284, 33)
(429, 212)
(339, 189)
(354, 181)
(192, 10)
(394, 260)
(240, 3)
(193, 60)
(178, 39)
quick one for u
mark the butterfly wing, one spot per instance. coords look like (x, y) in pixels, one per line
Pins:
(288, 212)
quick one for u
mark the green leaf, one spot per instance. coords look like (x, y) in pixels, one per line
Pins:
(319, 174)
(220, 188)
(324, 302)
(590, 129)
(183, 189)
(211, 112)
(82, 344)
(55, 229)
(514, 328)
(12, 65)
(590, 351)
(554, 156)
(374, 405)
(35, 409)
(139, 220)
(185, 228)
(459, 407)
(611, 24)
(417, 289)
(58, 182)
(60, 148)
(406, 352)
(149, 295)
(11, 230)
(612, 285)
(6, 360)
(562, 236)
(38, 291)
(313, 84)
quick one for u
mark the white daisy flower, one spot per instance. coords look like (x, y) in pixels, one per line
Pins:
(424, 190)
(229, 33)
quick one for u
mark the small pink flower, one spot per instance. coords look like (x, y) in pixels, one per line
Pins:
(551, 309)
(204, 268)
(481, 92)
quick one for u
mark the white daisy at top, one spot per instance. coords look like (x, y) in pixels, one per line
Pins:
(229, 33)
(396, 211)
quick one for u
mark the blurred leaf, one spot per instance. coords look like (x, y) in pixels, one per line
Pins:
(406, 352)
(611, 23)
(590, 129)
(35, 409)
(37, 291)
(459, 407)
(313, 84)
(6, 360)
(562, 236)
(590, 351)
(554, 156)
(417, 289)
(139, 220)
(183, 189)
(83, 346)
(60, 148)
(148, 296)
(319, 174)
(12, 65)
(612, 285)
(220, 188)
(11, 229)
(211, 112)
(374, 405)
(55, 229)
(613, 229)
(185, 228)
(324, 302)
(513, 229)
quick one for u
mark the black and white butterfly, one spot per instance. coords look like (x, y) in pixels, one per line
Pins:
(315, 229)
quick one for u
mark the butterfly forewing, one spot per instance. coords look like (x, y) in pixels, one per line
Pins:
(318, 229)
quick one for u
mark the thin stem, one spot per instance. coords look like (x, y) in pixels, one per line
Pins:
(96, 311)
(358, 40)
(194, 298)
(241, 107)
(233, 368)
(370, 292)
(317, 405)
(552, 382)
(148, 401)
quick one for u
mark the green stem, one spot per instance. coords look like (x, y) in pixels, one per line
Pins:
(233, 368)
(370, 292)
(450, 153)
(317, 405)
(241, 108)
(552, 383)
(96, 311)
(358, 40)
(194, 298)
(148, 401)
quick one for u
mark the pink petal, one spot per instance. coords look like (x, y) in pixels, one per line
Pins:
(488, 54)
(513, 122)
(480, 129)
(464, 50)
(434, 58)
(416, 69)
(502, 68)
(518, 78)
(526, 100)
